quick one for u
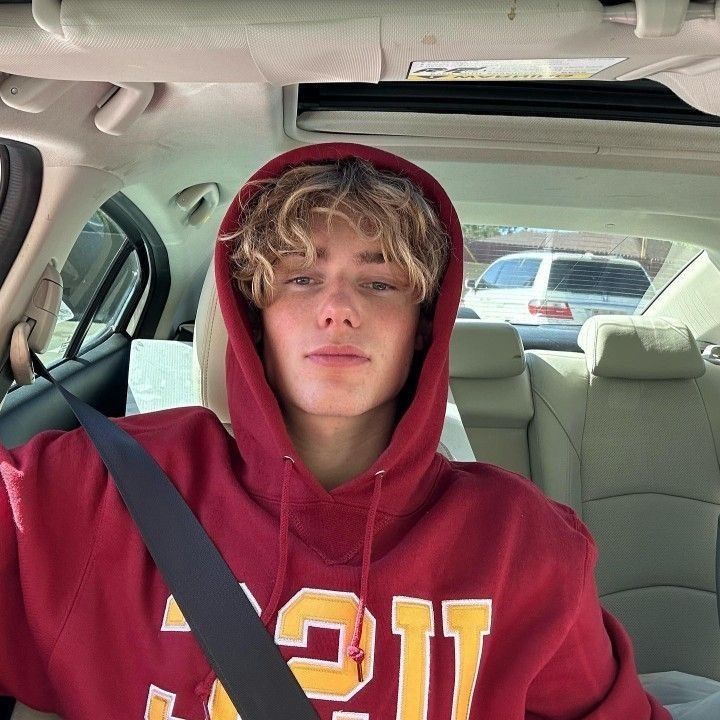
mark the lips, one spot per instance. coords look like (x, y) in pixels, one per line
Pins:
(338, 356)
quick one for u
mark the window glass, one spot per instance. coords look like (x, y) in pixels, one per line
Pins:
(584, 273)
(490, 278)
(518, 273)
(84, 271)
(582, 276)
(96, 247)
(116, 301)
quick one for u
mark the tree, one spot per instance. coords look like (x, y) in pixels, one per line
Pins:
(479, 232)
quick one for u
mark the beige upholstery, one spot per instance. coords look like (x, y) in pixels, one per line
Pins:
(23, 712)
(454, 442)
(640, 348)
(626, 434)
(487, 350)
(559, 389)
(491, 385)
(209, 344)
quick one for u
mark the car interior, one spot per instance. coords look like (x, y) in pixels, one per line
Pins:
(590, 126)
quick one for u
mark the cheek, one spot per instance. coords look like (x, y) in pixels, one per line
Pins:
(277, 333)
(278, 323)
(400, 338)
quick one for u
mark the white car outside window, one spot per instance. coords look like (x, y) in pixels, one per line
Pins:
(557, 288)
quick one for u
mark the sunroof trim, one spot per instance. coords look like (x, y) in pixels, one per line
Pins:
(629, 101)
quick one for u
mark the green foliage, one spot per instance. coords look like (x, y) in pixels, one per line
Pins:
(479, 232)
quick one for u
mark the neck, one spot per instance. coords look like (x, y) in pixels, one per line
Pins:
(336, 449)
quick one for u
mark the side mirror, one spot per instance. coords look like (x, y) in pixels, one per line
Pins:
(469, 284)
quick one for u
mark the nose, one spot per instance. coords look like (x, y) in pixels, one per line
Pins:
(338, 308)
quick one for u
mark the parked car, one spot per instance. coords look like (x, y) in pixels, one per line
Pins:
(537, 288)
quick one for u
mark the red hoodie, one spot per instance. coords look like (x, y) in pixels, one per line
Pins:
(468, 592)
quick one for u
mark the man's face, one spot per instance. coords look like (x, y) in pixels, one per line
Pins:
(339, 337)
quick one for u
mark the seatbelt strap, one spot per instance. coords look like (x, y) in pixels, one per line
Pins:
(240, 650)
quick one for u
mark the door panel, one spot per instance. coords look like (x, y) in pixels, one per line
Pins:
(99, 378)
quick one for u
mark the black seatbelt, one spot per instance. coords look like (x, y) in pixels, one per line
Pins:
(240, 650)
(7, 704)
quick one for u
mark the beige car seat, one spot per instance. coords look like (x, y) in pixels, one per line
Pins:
(629, 435)
(491, 385)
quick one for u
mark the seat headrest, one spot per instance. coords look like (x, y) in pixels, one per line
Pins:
(209, 345)
(640, 348)
(488, 350)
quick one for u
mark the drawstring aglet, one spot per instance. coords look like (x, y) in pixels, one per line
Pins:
(358, 655)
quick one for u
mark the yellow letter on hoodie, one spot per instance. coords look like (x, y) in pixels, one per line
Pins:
(326, 679)
(468, 621)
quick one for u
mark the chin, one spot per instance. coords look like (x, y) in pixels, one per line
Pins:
(338, 402)
(332, 407)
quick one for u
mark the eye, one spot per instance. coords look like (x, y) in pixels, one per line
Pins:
(381, 286)
(300, 280)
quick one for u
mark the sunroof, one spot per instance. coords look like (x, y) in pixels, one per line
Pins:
(634, 101)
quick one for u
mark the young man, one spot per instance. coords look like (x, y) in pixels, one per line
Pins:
(396, 584)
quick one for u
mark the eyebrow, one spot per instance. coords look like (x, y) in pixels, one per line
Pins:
(366, 257)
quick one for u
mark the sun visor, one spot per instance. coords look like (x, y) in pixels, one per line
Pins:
(359, 40)
(212, 41)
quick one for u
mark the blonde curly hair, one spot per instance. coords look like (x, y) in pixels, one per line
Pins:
(379, 204)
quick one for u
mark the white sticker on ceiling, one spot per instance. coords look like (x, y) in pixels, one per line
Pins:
(539, 69)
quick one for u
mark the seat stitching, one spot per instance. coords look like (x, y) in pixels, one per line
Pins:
(651, 492)
(554, 414)
(663, 585)
(707, 415)
(206, 352)
(585, 415)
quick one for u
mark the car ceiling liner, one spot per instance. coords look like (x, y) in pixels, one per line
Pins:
(46, 46)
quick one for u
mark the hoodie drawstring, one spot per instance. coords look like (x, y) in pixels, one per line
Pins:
(354, 651)
(283, 544)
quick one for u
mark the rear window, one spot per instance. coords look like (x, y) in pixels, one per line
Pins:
(543, 276)
(600, 278)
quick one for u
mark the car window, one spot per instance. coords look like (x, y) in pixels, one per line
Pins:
(589, 273)
(100, 277)
(518, 273)
(490, 277)
(605, 278)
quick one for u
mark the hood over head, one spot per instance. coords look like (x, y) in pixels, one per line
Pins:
(254, 410)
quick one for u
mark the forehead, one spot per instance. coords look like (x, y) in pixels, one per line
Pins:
(334, 235)
(362, 257)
